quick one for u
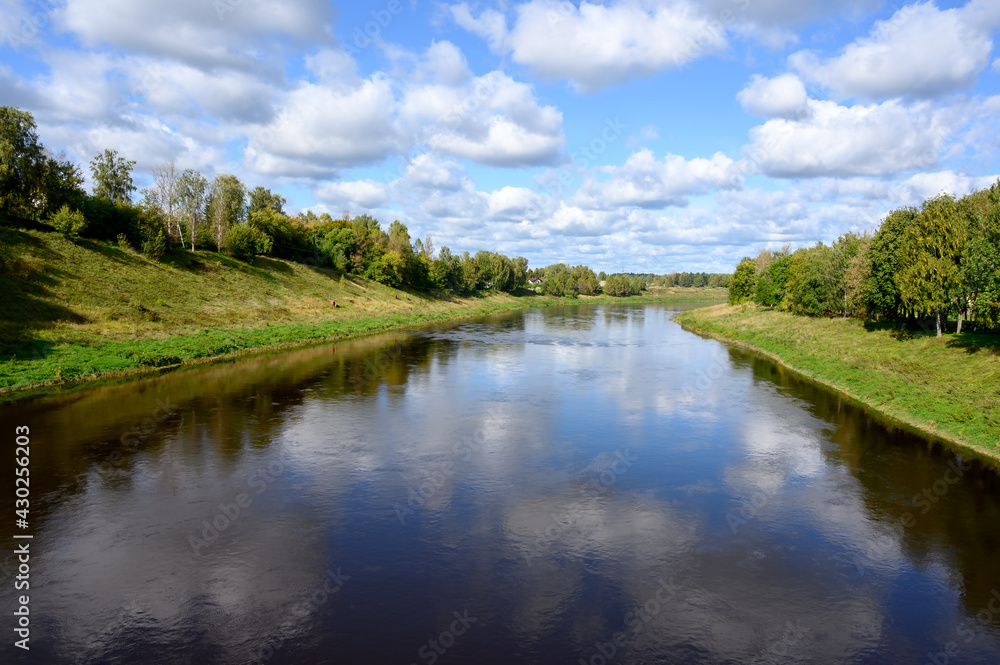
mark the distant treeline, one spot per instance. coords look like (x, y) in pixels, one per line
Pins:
(937, 261)
(183, 211)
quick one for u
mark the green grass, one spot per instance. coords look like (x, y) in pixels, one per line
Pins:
(948, 388)
(89, 310)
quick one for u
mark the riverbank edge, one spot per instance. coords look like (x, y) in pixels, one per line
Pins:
(36, 389)
(934, 436)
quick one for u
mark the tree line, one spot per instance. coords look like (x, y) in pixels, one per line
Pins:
(182, 210)
(923, 265)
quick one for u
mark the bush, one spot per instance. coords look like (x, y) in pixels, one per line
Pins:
(243, 242)
(289, 237)
(155, 247)
(70, 223)
(106, 219)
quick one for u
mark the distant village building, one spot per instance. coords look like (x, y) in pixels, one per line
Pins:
(535, 280)
(602, 283)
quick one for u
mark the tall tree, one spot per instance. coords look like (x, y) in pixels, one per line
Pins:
(744, 282)
(930, 280)
(62, 184)
(262, 199)
(112, 176)
(857, 273)
(22, 162)
(846, 249)
(226, 206)
(192, 195)
(429, 246)
(980, 261)
(880, 291)
(165, 187)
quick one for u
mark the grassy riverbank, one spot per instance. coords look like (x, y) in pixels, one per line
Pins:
(88, 310)
(948, 388)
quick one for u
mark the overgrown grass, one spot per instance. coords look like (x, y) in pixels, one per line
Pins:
(948, 388)
(87, 310)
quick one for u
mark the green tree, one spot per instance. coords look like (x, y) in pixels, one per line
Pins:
(469, 270)
(290, 237)
(980, 260)
(857, 275)
(166, 197)
(930, 280)
(226, 206)
(618, 286)
(22, 162)
(388, 269)
(446, 270)
(813, 286)
(243, 241)
(845, 250)
(880, 291)
(112, 175)
(772, 283)
(744, 283)
(263, 199)
(192, 195)
(520, 271)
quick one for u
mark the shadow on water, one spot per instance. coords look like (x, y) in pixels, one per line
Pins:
(944, 505)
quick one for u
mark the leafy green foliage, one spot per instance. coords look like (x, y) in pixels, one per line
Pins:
(388, 269)
(244, 241)
(261, 199)
(70, 223)
(941, 258)
(155, 247)
(226, 206)
(112, 176)
(879, 290)
(619, 286)
(744, 283)
(290, 239)
(22, 162)
(931, 249)
(814, 282)
(773, 281)
(192, 197)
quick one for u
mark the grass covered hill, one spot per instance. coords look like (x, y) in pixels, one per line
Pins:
(947, 387)
(88, 309)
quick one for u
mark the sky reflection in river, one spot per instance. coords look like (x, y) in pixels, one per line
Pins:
(583, 484)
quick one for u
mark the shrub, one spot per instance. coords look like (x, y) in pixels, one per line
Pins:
(70, 223)
(155, 247)
(243, 242)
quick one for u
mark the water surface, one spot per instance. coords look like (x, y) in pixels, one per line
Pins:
(583, 484)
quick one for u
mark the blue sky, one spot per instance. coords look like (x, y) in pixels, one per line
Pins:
(653, 135)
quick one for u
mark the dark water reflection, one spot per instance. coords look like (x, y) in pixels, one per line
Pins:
(530, 487)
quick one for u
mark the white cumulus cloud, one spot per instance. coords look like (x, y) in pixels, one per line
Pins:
(834, 140)
(595, 45)
(490, 119)
(780, 97)
(318, 130)
(921, 51)
(648, 182)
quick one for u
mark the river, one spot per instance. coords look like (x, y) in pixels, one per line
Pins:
(583, 484)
